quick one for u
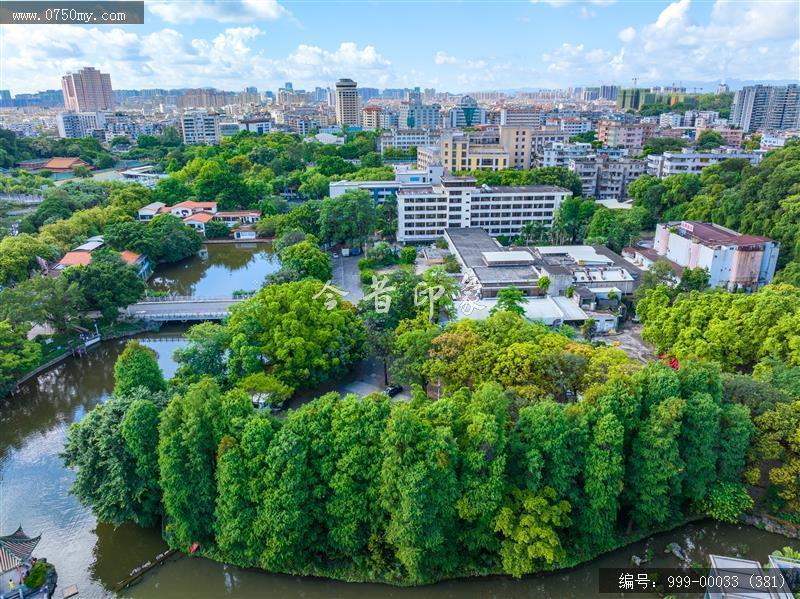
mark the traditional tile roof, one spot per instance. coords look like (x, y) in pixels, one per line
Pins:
(16, 549)
(191, 204)
(200, 217)
(129, 257)
(63, 163)
(76, 259)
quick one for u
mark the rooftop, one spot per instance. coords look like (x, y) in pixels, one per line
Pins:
(199, 217)
(711, 234)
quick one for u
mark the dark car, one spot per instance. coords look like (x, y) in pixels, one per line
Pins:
(393, 390)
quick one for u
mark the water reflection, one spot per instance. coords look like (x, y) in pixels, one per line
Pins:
(34, 485)
(220, 270)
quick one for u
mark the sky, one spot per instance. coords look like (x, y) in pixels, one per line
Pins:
(456, 46)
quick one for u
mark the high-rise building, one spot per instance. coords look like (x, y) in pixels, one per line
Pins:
(766, 107)
(367, 93)
(414, 96)
(416, 115)
(79, 124)
(200, 127)
(723, 88)
(347, 112)
(608, 92)
(88, 90)
(466, 114)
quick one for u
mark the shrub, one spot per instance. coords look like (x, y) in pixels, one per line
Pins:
(408, 255)
(726, 502)
(451, 264)
(36, 576)
(441, 243)
(366, 276)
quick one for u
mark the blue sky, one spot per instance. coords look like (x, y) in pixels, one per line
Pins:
(454, 46)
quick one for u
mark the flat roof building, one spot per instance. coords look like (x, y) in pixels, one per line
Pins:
(425, 212)
(734, 261)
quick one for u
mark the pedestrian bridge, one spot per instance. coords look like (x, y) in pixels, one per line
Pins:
(182, 308)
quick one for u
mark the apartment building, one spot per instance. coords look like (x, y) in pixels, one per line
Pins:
(88, 90)
(734, 261)
(371, 117)
(618, 134)
(403, 139)
(424, 212)
(524, 116)
(732, 137)
(690, 161)
(80, 124)
(428, 156)
(525, 144)
(200, 127)
(472, 151)
(347, 103)
(604, 178)
(413, 114)
(766, 107)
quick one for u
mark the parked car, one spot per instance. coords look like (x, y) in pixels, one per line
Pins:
(393, 390)
(335, 254)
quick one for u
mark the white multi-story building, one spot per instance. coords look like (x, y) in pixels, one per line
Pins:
(672, 120)
(404, 139)
(200, 127)
(603, 178)
(689, 161)
(524, 116)
(734, 261)
(424, 212)
(79, 124)
(560, 154)
(405, 177)
(347, 102)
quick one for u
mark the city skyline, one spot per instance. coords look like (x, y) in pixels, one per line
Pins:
(548, 44)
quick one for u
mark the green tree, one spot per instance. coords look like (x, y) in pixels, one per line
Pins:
(510, 299)
(288, 331)
(137, 367)
(655, 469)
(307, 260)
(418, 492)
(726, 502)
(708, 140)
(573, 218)
(113, 455)
(139, 428)
(17, 354)
(106, 283)
(348, 219)
(529, 526)
(204, 353)
(217, 230)
(659, 145)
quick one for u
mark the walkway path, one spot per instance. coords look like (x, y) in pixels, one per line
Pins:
(183, 308)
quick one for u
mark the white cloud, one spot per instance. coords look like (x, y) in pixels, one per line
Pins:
(723, 47)
(166, 58)
(444, 58)
(627, 35)
(223, 11)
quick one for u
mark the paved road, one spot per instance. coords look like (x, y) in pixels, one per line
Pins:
(346, 277)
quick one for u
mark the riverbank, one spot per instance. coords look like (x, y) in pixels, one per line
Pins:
(73, 344)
